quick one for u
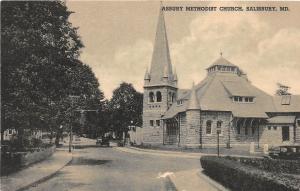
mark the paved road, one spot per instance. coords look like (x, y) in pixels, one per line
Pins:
(111, 169)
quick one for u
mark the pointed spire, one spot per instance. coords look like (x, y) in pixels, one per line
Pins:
(175, 78)
(161, 62)
(166, 72)
(147, 75)
(193, 102)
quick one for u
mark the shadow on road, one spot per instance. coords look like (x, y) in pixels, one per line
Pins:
(85, 161)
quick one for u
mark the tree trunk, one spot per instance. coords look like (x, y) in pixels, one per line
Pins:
(57, 138)
(21, 137)
(2, 136)
(51, 136)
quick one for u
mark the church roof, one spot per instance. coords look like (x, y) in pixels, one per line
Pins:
(221, 61)
(182, 93)
(218, 97)
(215, 92)
(193, 101)
(161, 62)
(240, 88)
(282, 120)
(288, 103)
(174, 110)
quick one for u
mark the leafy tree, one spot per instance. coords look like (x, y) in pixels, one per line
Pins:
(126, 108)
(40, 67)
(282, 90)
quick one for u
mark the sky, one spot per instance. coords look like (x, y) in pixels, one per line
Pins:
(119, 37)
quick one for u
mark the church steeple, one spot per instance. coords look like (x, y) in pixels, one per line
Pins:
(175, 78)
(160, 85)
(147, 75)
(161, 66)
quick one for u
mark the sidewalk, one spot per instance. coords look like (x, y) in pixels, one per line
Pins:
(174, 153)
(36, 172)
(196, 181)
(135, 150)
(238, 150)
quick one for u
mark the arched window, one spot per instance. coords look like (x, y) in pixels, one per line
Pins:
(151, 97)
(208, 127)
(219, 126)
(158, 96)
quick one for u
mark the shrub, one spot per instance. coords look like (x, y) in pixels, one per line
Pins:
(238, 176)
(273, 165)
(10, 162)
(36, 142)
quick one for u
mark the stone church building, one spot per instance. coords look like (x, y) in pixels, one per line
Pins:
(225, 100)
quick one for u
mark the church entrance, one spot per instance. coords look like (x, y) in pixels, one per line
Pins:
(285, 133)
(171, 132)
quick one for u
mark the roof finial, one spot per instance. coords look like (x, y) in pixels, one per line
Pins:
(221, 53)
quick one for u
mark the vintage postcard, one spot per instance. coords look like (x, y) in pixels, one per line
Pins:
(150, 95)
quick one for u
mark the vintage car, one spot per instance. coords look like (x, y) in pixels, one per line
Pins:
(287, 152)
(103, 141)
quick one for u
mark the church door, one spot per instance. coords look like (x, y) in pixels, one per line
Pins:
(172, 132)
(285, 133)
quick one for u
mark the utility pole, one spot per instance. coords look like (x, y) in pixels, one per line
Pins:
(218, 133)
(71, 127)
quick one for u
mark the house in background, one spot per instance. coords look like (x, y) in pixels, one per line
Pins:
(284, 122)
(8, 134)
(224, 100)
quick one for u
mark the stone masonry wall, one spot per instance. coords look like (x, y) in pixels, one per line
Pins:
(272, 135)
(297, 129)
(190, 129)
(153, 136)
(154, 111)
(214, 117)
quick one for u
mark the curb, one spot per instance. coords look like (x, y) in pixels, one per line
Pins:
(211, 181)
(167, 152)
(197, 176)
(164, 154)
(172, 184)
(190, 153)
(43, 179)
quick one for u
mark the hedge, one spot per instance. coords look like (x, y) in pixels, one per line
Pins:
(241, 177)
(273, 165)
(14, 161)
